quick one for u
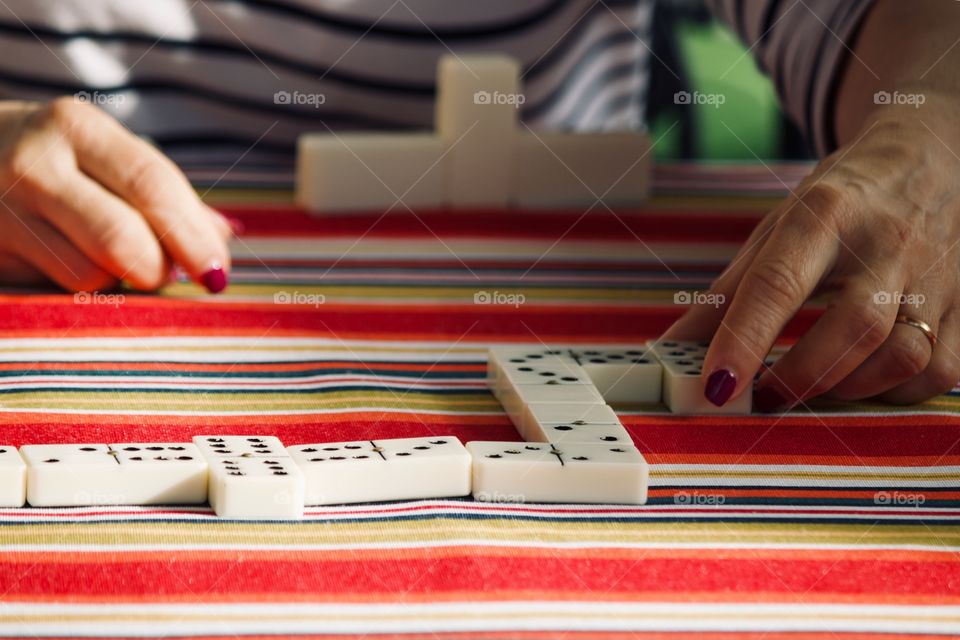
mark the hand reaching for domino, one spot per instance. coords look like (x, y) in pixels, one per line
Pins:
(87, 205)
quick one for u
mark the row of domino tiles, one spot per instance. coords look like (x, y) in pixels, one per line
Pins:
(478, 156)
(576, 450)
(256, 477)
(560, 394)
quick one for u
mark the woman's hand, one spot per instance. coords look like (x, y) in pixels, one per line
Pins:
(877, 228)
(87, 204)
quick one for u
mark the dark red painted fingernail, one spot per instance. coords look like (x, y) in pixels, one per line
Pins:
(769, 400)
(215, 279)
(720, 386)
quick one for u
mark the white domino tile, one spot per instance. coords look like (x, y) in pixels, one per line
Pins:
(578, 431)
(477, 118)
(556, 170)
(119, 474)
(233, 446)
(13, 477)
(72, 474)
(499, 360)
(553, 413)
(550, 370)
(244, 447)
(665, 350)
(683, 391)
(256, 487)
(574, 472)
(374, 471)
(162, 473)
(683, 382)
(370, 172)
(622, 375)
(516, 399)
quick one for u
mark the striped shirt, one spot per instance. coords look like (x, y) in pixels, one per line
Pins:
(217, 79)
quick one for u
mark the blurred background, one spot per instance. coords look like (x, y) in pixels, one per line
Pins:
(710, 59)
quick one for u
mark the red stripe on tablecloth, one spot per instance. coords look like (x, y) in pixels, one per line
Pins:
(598, 224)
(899, 443)
(542, 572)
(60, 317)
(498, 263)
(578, 635)
(23, 428)
(320, 366)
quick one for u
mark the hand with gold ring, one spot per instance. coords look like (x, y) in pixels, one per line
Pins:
(875, 230)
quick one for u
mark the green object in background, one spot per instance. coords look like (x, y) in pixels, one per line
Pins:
(747, 124)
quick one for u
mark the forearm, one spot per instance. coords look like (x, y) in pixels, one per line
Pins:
(911, 51)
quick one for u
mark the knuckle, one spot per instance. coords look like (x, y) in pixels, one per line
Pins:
(141, 263)
(26, 171)
(820, 208)
(869, 327)
(114, 239)
(776, 283)
(146, 180)
(18, 164)
(907, 357)
(943, 374)
(151, 279)
(63, 112)
(823, 199)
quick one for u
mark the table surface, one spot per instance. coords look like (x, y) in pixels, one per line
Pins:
(837, 519)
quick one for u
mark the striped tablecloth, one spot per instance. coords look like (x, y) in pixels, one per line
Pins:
(837, 522)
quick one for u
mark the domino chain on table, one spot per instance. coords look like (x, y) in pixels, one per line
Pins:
(575, 449)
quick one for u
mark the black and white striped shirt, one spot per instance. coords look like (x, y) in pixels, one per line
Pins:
(199, 76)
(203, 77)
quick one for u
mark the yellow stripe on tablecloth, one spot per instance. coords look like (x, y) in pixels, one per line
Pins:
(437, 530)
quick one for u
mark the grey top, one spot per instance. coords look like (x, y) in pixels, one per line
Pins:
(802, 45)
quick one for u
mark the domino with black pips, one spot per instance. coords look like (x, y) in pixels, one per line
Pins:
(13, 477)
(379, 470)
(574, 472)
(252, 477)
(622, 375)
(682, 362)
(119, 474)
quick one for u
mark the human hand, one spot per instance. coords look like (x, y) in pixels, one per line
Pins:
(876, 227)
(85, 203)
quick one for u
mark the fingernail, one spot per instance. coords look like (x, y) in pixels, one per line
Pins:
(720, 386)
(769, 400)
(215, 278)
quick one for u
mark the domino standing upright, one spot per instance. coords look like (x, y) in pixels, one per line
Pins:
(370, 172)
(476, 117)
(554, 169)
(683, 380)
(252, 477)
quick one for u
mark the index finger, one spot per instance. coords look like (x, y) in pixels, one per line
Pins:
(152, 184)
(781, 277)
